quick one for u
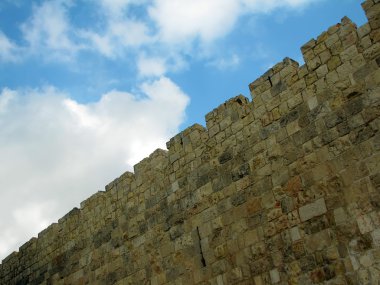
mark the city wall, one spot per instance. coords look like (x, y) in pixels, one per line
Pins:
(283, 189)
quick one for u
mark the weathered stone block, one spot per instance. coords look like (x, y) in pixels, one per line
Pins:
(274, 276)
(317, 241)
(312, 210)
(365, 224)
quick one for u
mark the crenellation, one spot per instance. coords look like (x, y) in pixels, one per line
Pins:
(308, 46)
(152, 166)
(226, 114)
(372, 10)
(273, 82)
(188, 140)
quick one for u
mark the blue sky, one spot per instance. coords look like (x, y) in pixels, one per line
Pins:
(90, 87)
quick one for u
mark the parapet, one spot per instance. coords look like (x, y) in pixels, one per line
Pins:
(187, 140)
(227, 113)
(156, 161)
(274, 81)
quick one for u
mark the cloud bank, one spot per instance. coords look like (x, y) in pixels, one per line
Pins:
(177, 27)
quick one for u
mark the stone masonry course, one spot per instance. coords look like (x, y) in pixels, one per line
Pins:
(283, 189)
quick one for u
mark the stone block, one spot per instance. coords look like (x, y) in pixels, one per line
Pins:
(294, 186)
(318, 241)
(295, 234)
(376, 237)
(340, 216)
(274, 276)
(312, 210)
(365, 224)
(322, 71)
(253, 206)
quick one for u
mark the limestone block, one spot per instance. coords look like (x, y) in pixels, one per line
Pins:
(292, 128)
(274, 276)
(258, 280)
(364, 30)
(366, 260)
(312, 210)
(332, 77)
(364, 223)
(322, 71)
(321, 46)
(295, 234)
(376, 237)
(325, 56)
(340, 216)
(313, 63)
(372, 52)
(332, 39)
(274, 213)
(317, 241)
(309, 45)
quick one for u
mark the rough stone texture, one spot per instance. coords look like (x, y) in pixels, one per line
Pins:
(280, 190)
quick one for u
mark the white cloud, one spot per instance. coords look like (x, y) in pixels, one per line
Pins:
(100, 43)
(49, 29)
(186, 20)
(226, 62)
(173, 26)
(118, 37)
(8, 49)
(130, 33)
(56, 152)
(6, 97)
(30, 218)
(260, 7)
(151, 66)
(118, 32)
(117, 8)
(183, 20)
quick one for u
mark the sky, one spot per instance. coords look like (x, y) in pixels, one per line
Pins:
(88, 88)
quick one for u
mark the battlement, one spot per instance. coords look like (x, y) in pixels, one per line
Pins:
(274, 81)
(283, 189)
(186, 140)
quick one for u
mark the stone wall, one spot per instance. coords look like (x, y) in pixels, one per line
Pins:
(280, 190)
